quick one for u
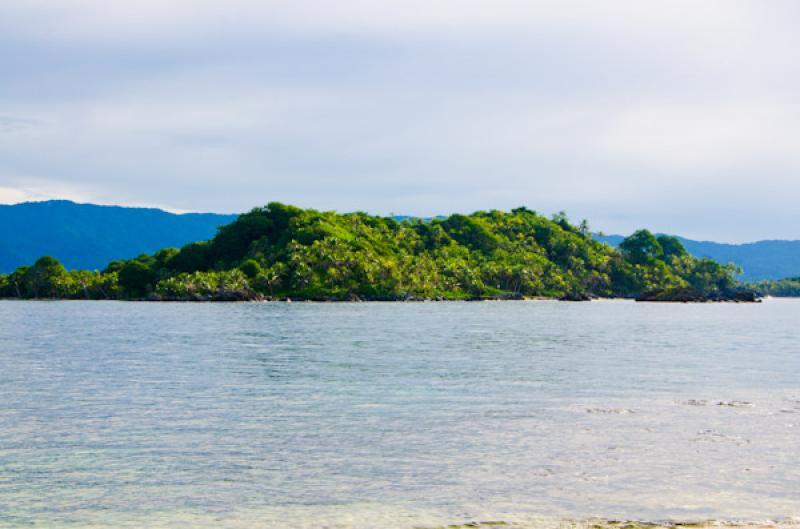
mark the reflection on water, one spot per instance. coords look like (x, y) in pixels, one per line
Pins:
(395, 415)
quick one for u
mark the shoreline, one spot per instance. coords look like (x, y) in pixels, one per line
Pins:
(267, 299)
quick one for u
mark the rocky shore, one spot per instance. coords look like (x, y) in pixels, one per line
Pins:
(690, 295)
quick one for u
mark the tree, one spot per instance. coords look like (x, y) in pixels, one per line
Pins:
(136, 278)
(562, 220)
(47, 278)
(251, 268)
(114, 266)
(191, 258)
(16, 282)
(163, 257)
(641, 248)
(234, 240)
(671, 247)
(471, 232)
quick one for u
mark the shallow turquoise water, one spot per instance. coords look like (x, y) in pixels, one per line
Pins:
(395, 415)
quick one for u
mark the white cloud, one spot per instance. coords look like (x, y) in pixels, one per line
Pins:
(178, 19)
(13, 195)
(707, 138)
(46, 191)
(615, 110)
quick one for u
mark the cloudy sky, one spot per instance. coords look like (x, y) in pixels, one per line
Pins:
(681, 116)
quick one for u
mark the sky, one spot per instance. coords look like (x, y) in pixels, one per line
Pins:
(682, 116)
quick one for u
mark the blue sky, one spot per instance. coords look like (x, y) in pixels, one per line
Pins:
(681, 116)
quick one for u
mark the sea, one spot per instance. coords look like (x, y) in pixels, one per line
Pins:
(397, 415)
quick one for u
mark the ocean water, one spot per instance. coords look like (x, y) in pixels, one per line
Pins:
(396, 415)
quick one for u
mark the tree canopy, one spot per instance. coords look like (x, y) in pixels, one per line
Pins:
(282, 251)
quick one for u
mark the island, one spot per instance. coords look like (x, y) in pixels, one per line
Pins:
(282, 252)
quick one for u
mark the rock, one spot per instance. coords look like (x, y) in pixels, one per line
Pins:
(696, 402)
(692, 295)
(609, 411)
(576, 296)
(735, 403)
(680, 295)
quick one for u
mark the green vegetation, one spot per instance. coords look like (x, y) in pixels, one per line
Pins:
(281, 251)
(789, 287)
(47, 278)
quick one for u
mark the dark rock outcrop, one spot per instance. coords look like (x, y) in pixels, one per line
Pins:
(692, 295)
(576, 296)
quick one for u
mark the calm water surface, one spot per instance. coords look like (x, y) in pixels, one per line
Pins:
(395, 415)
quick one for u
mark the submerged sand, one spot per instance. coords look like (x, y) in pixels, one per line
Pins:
(790, 523)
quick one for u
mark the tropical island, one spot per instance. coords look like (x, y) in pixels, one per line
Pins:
(285, 252)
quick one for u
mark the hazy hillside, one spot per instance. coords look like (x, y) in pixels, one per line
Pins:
(760, 260)
(88, 236)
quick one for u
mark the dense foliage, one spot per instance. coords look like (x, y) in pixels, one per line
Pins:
(281, 251)
(762, 260)
(47, 278)
(789, 287)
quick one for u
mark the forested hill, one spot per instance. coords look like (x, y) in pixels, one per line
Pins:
(281, 251)
(759, 260)
(87, 236)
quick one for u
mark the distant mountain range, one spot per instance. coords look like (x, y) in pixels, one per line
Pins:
(88, 236)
